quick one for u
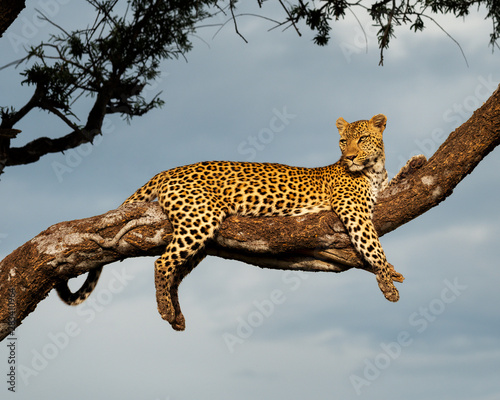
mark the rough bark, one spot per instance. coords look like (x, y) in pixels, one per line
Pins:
(313, 242)
(9, 11)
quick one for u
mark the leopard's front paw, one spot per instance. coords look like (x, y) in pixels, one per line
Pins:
(168, 311)
(179, 323)
(388, 289)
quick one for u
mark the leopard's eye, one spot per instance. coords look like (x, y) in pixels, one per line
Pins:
(363, 138)
(342, 142)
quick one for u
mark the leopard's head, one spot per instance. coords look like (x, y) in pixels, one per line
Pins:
(361, 142)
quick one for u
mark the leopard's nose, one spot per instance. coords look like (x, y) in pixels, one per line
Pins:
(351, 157)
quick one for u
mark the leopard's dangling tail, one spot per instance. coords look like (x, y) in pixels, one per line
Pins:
(73, 299)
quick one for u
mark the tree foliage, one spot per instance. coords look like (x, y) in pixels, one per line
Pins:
(112, 60)
(387, 14)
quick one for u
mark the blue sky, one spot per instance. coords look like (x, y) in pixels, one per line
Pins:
(255, 333)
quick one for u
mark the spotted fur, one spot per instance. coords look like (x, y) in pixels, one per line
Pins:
(198, 197)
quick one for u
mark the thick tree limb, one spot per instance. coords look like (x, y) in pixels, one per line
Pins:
(9, 11)
(314, 242)
(34, 150)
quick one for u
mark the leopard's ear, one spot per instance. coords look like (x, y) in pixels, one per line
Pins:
(341, 124)
(378, 121)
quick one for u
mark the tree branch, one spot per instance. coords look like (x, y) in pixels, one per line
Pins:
(37, 148)
(9, 11)
(312, 242)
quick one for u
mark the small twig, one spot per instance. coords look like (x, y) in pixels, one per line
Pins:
(201, 39)
(245, 15)
(451, 37)
(51, 22)
(17, 62)
(106, 13)
(231, 8)
(65, 119)
(290, 18)
(362, 29)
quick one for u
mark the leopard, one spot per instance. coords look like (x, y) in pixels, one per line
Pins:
(198, 197)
